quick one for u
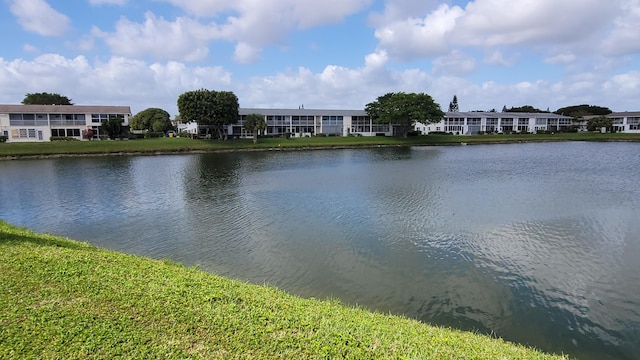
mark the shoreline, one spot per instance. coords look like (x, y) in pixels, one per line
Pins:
(290, 148)
(69, 299)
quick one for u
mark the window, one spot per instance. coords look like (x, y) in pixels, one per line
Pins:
(28, 120)
(97, 118)
(24, 133)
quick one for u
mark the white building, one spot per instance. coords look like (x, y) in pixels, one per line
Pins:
(626, 122)
(34, 123)
(471, 123)
(304, 122)
(307, 122)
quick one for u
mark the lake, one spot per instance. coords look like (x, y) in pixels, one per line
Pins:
(537, 243)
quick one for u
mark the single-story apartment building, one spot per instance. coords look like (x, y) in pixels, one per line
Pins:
(33, 123)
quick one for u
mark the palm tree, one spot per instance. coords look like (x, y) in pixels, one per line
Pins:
(255, 123)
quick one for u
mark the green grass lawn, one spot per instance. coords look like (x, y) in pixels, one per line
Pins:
(151, 146)
(62, 299)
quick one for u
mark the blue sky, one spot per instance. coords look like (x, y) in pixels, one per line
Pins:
(324, 54)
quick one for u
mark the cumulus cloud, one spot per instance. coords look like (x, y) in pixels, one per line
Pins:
(420, 37)
(39, 17)
(118, 81)
(246, 54)
(623, 38)
(251, 24)
(456, 63)
(184, 38)
(496, 57)
(141, 84)
(500, 22)
(494, 23)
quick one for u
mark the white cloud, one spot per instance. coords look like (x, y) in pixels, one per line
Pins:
(118, 81)
(496, 57)
(107, 2)
(564, 58)
(246, 54)
(184, 38)
(400, 10)
(535, 24)
(141, 84)
(252, 24)
(500, 22)
(627, 84)
(30, 48)
(39, 17)
(623, 39)
(456, 63)
(420, 37)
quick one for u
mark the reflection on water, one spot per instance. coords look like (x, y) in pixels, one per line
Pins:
(535, 243)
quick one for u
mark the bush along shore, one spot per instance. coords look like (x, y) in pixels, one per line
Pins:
(66, 299)
(185, 145)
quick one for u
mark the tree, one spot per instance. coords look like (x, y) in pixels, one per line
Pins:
(44, 98)
(579, 111)
(524, 109)
(151, 119)
(255, 123)
(209, 107)
(404, 109)
(113, 126)
(453, 105)
(599, 122)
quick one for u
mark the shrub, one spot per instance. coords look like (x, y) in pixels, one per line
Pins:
(135, 136)
(3, 138)
(63, 138)
(151, 134)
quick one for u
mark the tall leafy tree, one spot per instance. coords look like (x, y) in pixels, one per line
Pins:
(209, 107)
(453, 105)
(255, 123)
(404, 109)
(113, 126)
(596, 123)
(45, 98)
(151, 119)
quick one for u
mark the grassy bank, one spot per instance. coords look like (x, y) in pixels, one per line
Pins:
(172, 145)
(65, 299)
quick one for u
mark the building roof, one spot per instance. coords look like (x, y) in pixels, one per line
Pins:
(289, 112)
(625, 114)
(65, 109)
(486, 114)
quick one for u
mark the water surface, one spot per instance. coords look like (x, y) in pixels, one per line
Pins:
(535, 243)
